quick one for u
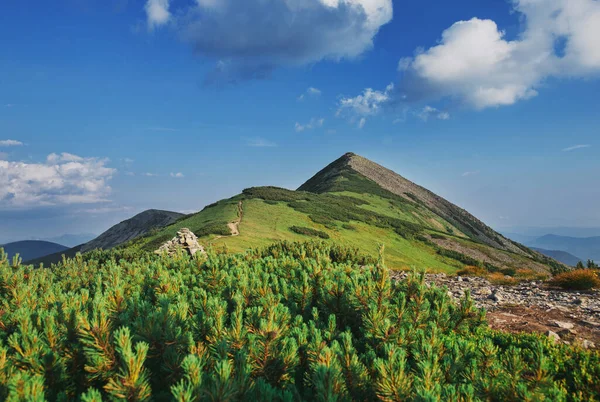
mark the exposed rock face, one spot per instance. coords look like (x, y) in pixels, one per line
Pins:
(131, 228)
(185, 240)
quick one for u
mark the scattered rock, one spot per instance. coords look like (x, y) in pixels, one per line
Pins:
(564, 325)
(185, 240)
(590, 323)
(552, 335)
(587, 344)
(567, 333)
(496, 297)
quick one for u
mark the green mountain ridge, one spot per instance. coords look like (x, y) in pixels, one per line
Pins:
(361, 204)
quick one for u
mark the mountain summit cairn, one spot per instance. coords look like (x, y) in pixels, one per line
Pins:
(185, 240)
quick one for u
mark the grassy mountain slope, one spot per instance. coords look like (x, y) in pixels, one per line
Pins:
(30, 249)
(346, 207)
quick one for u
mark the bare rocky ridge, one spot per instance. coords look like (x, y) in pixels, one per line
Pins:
(131, 228)
(566, 316)
(185, 240)
(400, 186)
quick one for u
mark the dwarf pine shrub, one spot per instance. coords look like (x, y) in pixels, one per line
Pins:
(291, 322)
(578, 279)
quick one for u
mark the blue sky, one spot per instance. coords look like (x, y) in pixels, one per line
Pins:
(111, 107)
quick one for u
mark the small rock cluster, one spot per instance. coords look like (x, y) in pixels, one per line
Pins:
(185, 240)
(532, 294)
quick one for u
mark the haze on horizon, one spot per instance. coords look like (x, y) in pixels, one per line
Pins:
(108, 108)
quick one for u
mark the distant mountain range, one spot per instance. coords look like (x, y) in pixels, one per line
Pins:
(566, 249)
(31, 249)
(584, 247)
(562, 256)
(71, 240)
(123, 232)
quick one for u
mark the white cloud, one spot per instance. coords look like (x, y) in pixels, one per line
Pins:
(311, 91)
(157, 13)
(104, 210)
(162, 129)
(177, 175)
(368, 103)
(62, 179)
(130, 174)
(249, 38)
(260, 143)
(472, 173)
(10, 143)
(428, 111)
(312, 124)
(362, 122)
(575, 147)
(150, 174)
(476, 65)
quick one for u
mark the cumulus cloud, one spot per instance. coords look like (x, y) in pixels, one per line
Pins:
(575, 147)
(249, 38)
(10, 143)
(148, 174)
(177, 175)
(157, 13)
(260, 143)
(60, 180)
(312, 124)
(476, 65)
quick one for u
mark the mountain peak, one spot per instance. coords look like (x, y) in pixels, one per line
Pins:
(352, 172)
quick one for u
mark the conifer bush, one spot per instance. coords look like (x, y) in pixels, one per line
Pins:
(578, 279)
(292, 322)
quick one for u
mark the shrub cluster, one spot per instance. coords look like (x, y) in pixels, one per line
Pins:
(579, 279)
(309, 232)
(216, 228)
(288, 323)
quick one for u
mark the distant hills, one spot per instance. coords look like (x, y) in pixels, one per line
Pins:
(72, 240)
(31, 249)
(584, 247)
(562, 256)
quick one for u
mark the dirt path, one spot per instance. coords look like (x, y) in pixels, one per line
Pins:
(235, 225)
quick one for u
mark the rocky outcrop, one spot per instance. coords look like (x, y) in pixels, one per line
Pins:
(185, 240)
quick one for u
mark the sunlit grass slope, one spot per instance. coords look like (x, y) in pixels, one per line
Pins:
(411, 233)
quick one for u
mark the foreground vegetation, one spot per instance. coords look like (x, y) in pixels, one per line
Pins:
(292, 321)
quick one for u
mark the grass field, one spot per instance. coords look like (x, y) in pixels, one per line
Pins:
(265, 223)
